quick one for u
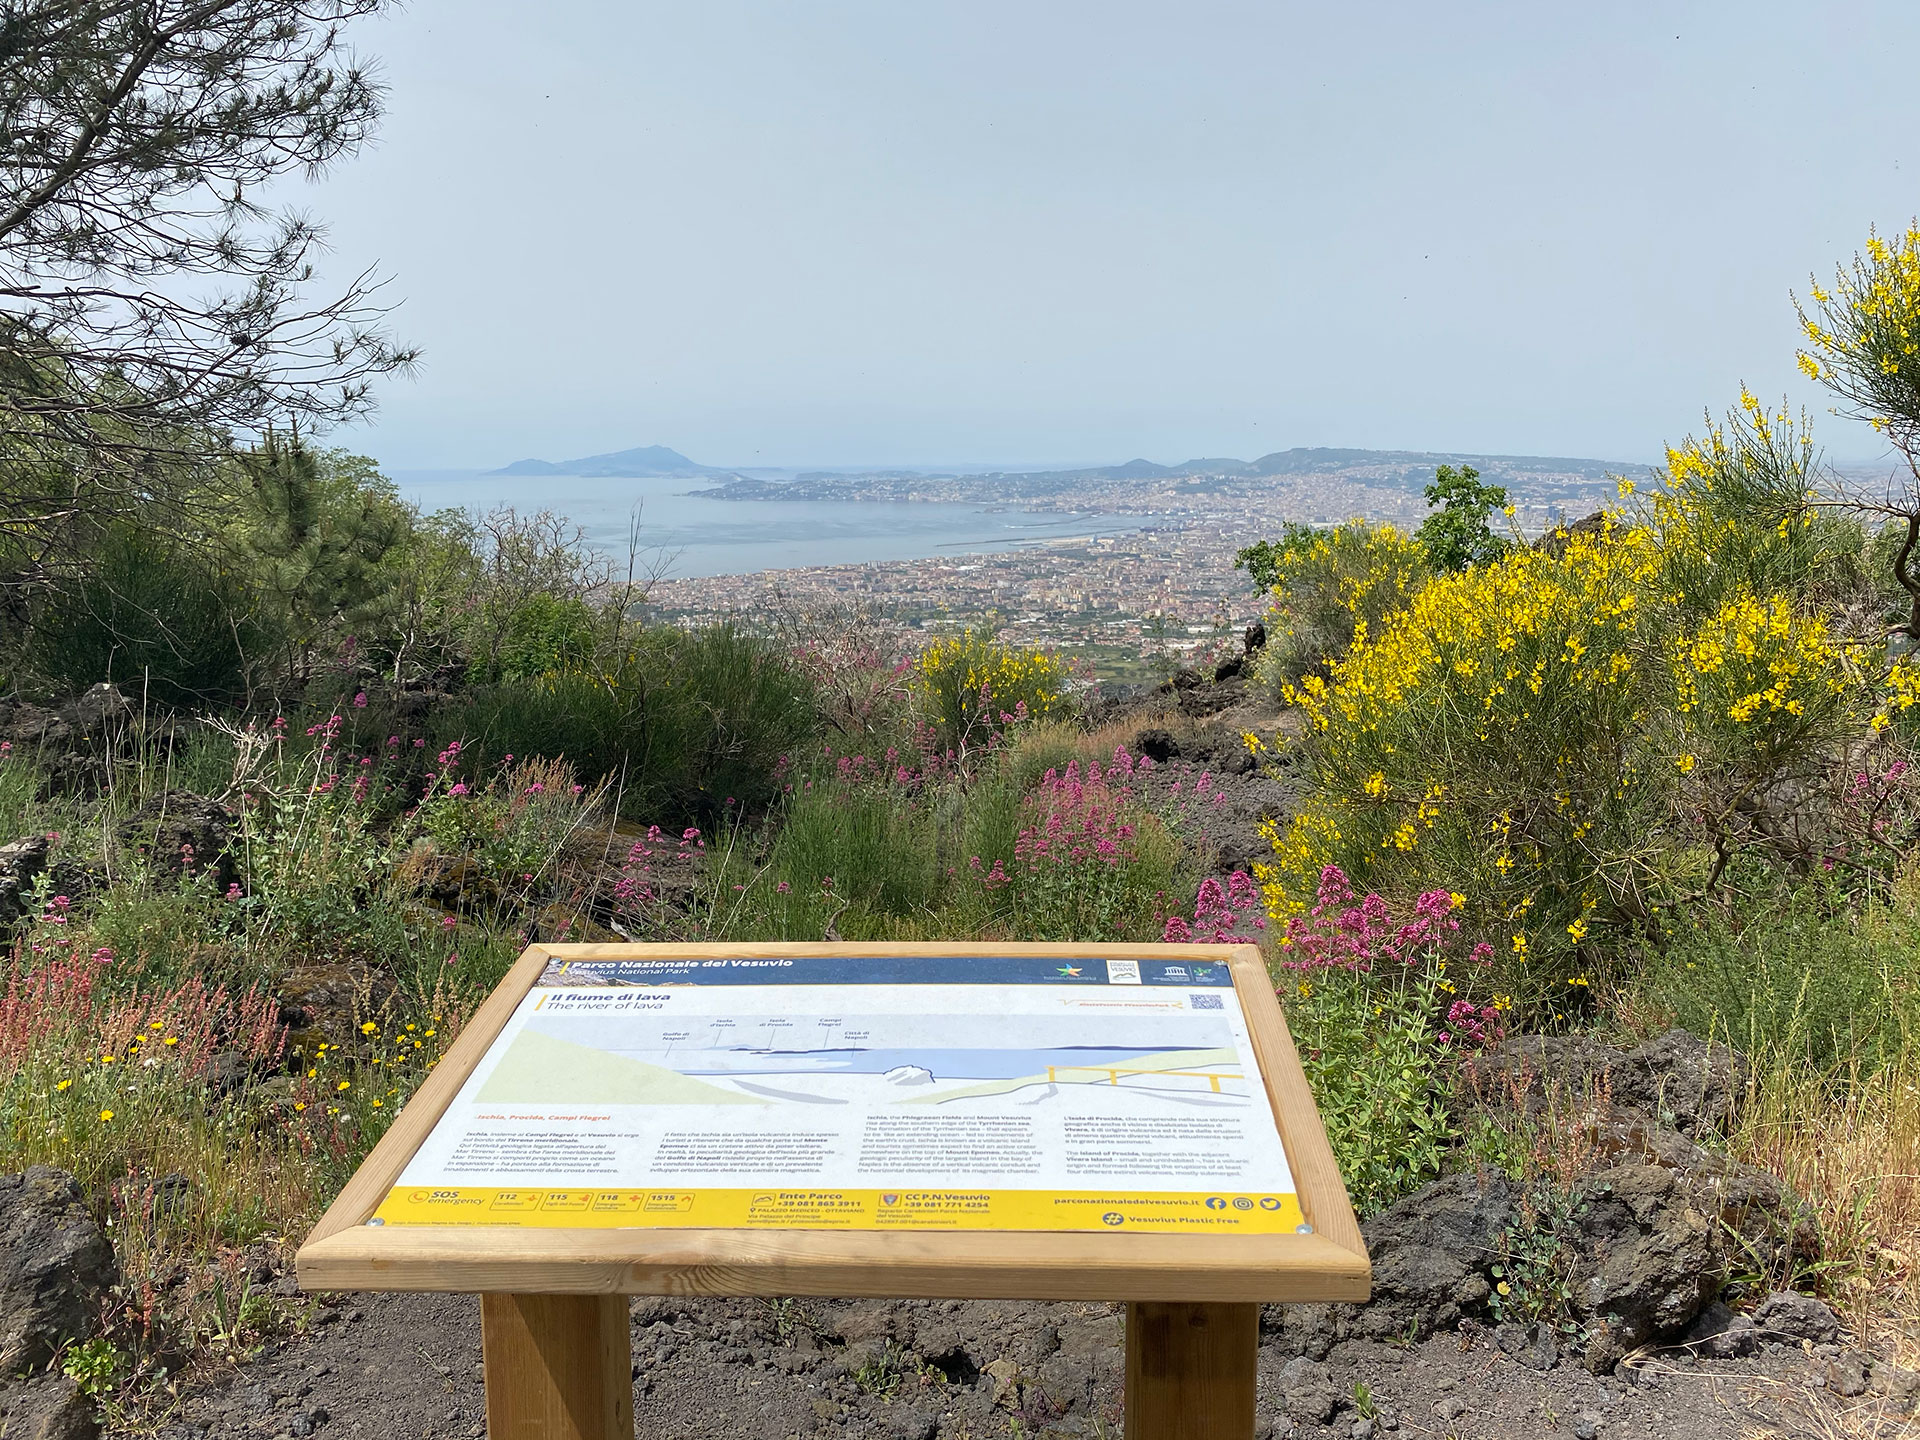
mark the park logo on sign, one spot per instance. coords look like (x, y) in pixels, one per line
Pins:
(1123, 972)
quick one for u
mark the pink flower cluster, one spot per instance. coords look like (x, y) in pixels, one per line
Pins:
(1344, 931)
(1347, 932)
(1216, 913)
(1078, 817)
(1472, 1027)
(636, 886)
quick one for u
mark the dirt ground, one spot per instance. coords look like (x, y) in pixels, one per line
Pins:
(392, 1366)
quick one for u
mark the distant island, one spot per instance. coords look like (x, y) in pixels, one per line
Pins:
(644, 460)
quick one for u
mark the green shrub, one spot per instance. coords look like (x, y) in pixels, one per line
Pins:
(1459, 534)
(1328, 586)
(689, 725)
(970, 688)
(1805, 980)
(1368, 1045)
(543, 633)
(151, 617)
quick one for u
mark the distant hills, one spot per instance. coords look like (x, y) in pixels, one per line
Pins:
(1387, 465)
(1309, 460)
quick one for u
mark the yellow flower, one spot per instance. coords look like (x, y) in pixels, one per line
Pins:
(63, 1085)
(106, 1114)
(156, 1025)
(108, 1059)
(1578, 929)
(344, 1085)
(299, 1105)
(368, 1028)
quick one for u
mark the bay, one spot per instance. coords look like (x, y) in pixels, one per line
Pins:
(686, 536)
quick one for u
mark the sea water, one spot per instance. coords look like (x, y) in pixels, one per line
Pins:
(685, 535)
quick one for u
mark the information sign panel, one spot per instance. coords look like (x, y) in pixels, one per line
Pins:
(1022, 1121)
(864, 1091)
(1042, 1122)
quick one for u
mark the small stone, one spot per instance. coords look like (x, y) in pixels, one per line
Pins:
(1847, 1375)
(1308, 1391)
(1798, 1317)
(1363, 1429)
(1450, 1407)
(1586, 1426)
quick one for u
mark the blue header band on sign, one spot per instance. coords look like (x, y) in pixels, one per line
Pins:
(884, 970)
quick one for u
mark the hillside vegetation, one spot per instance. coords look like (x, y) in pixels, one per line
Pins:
(291, 779)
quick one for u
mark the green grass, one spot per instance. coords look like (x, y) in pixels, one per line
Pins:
(1808, 977)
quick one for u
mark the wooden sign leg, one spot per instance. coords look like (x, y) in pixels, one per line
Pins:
(1190, 1371)
(559, 1367)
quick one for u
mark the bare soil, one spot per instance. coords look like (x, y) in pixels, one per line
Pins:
(409, 1366)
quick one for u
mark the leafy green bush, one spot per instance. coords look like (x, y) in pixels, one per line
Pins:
(1459, 534)
(689, 725)
(149, 616)
(542, 634)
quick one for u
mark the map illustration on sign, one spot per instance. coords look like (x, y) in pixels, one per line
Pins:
(863, 1092)
(870, 1060)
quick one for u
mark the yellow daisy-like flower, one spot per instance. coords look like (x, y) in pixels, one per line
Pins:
(344, 1085)
(106, 1114)
(64, 1084)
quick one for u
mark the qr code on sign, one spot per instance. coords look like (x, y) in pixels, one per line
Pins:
(1205, 1002)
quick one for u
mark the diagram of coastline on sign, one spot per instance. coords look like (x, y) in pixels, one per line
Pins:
(977, 1062)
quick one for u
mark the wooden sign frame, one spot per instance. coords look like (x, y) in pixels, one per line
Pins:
(1183, 1287)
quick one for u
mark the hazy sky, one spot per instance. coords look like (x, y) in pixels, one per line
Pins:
(909, 231)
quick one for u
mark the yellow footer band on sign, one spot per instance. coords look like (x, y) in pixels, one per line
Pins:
(1159, 1212)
